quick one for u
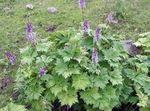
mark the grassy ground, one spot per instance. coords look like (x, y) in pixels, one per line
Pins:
(133, 16)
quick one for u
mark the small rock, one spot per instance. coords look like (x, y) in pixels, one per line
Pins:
(52, 9)
(29, 6)
(131, 48)
(6, 9)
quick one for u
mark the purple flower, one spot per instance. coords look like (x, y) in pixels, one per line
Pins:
(94, 56)
(10, 57)
(29, 27)
(97, 35)
(42, 72)
(110, 19)
(30, 35)
(82, 4)
(52, 9)
(86, 26)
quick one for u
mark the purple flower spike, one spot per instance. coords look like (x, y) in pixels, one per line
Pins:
(94, 56)
(30, 35)
(11, 57)
(86, 26)
(97, 35)
(110, 19)
(82, 4)
(42, 72)
(29, 27)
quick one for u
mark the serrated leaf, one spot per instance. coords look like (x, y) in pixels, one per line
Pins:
(33, 92)
(112, 54)
(57, 84)
(143, 99)
(101, 81)
(68, 97)
(80, 81)
(27, 54)
(116, 77)
(49, 96)
(62, 69)
(44, 47)
(90, 96)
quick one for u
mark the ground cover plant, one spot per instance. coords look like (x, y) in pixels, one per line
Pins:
(85, 67)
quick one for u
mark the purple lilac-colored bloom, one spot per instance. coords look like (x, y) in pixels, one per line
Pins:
(94, 56)
(110, 18)
(82, 4)
(86, 26)
(11, 57)
(30, 35)
(29, 27)
(97, 35)
(42, 72)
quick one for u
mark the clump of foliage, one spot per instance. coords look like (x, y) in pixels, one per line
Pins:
(60, 68)
(13, 107)
(143, 42)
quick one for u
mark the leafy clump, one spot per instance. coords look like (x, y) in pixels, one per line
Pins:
(13, 107)
(143, 42)
(71, 77)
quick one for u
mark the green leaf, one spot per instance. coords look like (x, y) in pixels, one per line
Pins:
(49, 96)
(27, 55)
(109, 99)
(80, 81)
(44, 47)
(116, 77)
(112, 54)
(90, 96)
(145, 109)
(57, 84)
(36, 106)
(143, 99)
(13, 107)
(62, 69)
(101, 81)
(142, 67)
(68, 97)
(33, 92)
(130, 73)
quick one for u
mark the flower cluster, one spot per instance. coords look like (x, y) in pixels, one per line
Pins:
(110, 19)
(30, 35)
(97, 35)
(94, 56)
(42, 72)
(82, 4)
(10, 57)
(86, 26)
(96, 38)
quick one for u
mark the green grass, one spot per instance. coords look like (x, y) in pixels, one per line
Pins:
(14, 16)
(13, 20)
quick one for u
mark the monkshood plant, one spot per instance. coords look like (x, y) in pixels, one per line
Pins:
(88, 71)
